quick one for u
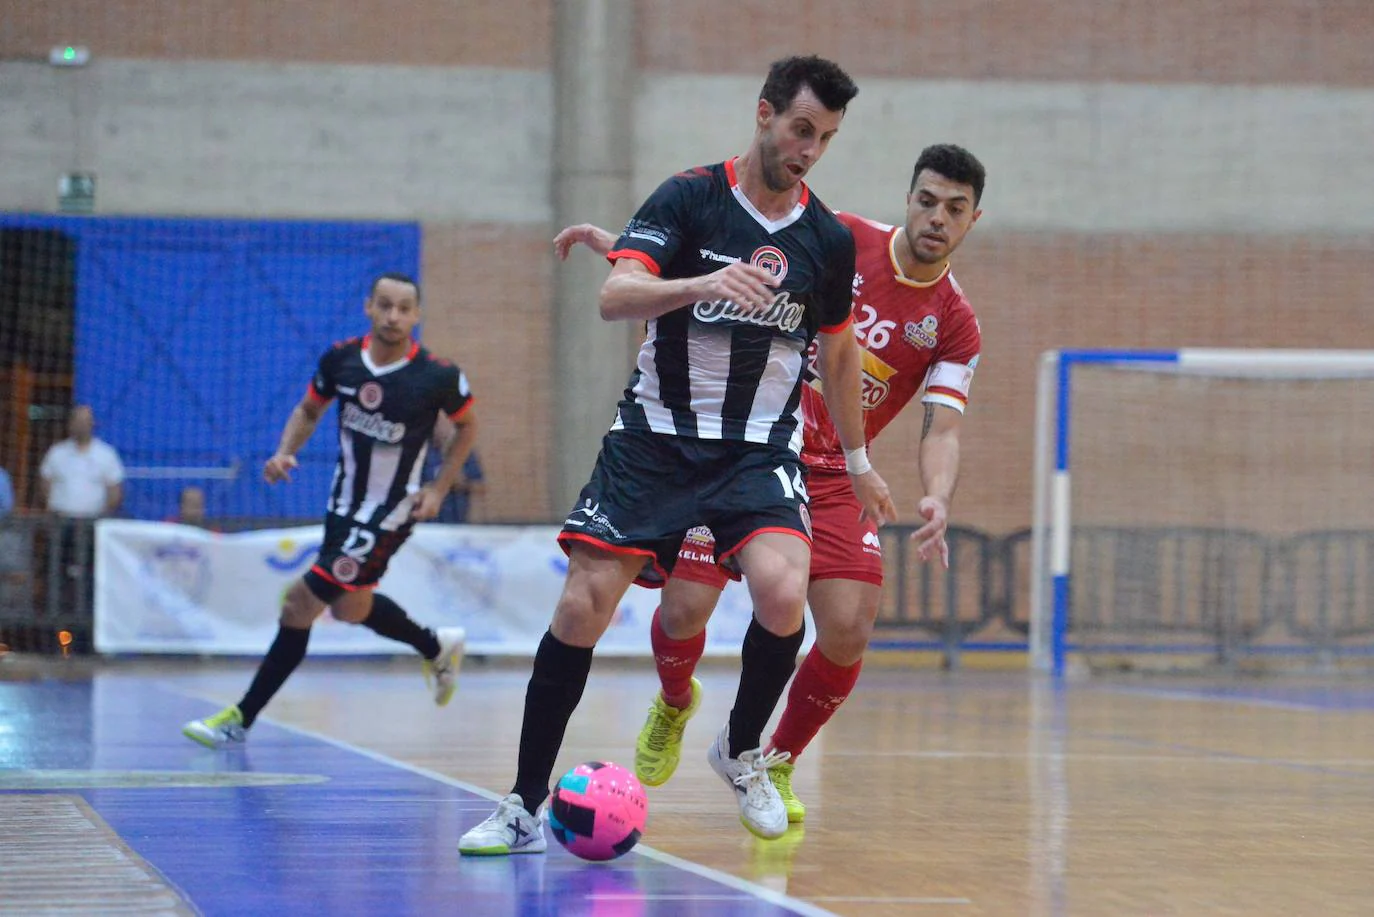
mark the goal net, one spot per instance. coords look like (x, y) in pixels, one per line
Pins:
(1204, 508)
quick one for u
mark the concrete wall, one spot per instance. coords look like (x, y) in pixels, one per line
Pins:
(1158, 175)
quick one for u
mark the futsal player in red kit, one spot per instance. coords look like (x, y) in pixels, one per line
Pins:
(920, 338)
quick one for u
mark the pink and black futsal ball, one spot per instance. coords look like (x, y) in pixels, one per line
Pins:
(598, 810)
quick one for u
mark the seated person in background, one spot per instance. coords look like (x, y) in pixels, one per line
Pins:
(191, 507)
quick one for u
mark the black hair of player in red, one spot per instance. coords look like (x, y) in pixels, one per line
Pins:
(953, 162)
(786, 78)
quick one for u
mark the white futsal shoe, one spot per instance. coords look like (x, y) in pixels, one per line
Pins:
(441, 672)
(510, 829)
(224, 728)
(761, 809)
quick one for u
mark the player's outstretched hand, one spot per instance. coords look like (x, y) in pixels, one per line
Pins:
(426, 505)
(743, 284)
(594, 237)
(279, 468)
(873, 496)
(930, 538)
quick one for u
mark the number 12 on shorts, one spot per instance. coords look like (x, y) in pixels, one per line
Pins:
(793, 487)
(359, 543)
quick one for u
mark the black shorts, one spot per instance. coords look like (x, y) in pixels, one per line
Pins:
(648, 489)
(353, 556)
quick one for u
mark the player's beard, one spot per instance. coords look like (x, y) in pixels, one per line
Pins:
(925, 256)
(775, 176)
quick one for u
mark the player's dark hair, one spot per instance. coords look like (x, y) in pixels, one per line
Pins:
(787, 77)
(953, 162)
(399, 278)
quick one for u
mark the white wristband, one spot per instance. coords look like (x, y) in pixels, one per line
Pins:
(856, 461)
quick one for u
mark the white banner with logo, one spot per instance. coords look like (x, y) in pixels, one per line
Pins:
(166, 588)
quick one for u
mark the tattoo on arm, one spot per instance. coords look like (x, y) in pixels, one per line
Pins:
(930, 419)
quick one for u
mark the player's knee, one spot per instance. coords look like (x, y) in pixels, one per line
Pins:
(682, 623)
(579, 614)
(296, 613)
(683, 619)
(299, 607)
(844, 642)
(352, 607)
(782, 599)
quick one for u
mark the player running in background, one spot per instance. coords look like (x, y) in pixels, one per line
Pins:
(391, 392)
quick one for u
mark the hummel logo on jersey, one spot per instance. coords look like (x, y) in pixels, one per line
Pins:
(717, 256)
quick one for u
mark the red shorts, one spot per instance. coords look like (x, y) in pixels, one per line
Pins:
(842, 547)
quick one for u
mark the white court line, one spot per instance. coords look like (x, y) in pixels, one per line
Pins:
(623, 897)
(857, 900)
(1209, 698)
(1088, 756)
(757, 892)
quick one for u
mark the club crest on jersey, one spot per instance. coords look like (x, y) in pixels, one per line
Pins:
(806, 520)
(924, 334)
(370, 396)
(772, 260)
(344, 569)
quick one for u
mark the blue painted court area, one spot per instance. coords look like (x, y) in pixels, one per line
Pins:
(297, 824)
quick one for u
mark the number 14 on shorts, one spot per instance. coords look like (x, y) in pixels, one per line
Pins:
(794, 487)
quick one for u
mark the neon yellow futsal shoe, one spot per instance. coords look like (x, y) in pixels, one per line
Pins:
(781, 775)
(659, 747)
(224, 728)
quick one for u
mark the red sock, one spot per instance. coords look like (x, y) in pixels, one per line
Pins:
(676, 661)
(817, 692)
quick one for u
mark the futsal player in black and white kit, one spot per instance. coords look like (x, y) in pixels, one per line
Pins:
(391, 392)
(735, 267)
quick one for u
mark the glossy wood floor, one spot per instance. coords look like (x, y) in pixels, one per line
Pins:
(970, 794)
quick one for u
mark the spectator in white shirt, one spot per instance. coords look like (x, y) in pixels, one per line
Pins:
(82, 475)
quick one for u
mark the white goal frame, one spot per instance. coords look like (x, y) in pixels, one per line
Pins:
(1052, 518)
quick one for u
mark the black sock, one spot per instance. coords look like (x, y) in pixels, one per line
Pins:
(285, 653)
(560, 675)
(766, 663)
(390, 620)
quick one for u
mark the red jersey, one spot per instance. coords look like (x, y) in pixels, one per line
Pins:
(915, 337)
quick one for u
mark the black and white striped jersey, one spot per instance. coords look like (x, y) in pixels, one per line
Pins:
(712, 370)
(386, 418)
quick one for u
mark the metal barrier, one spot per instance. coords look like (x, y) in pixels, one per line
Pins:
(46, 573)
(969, 606)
